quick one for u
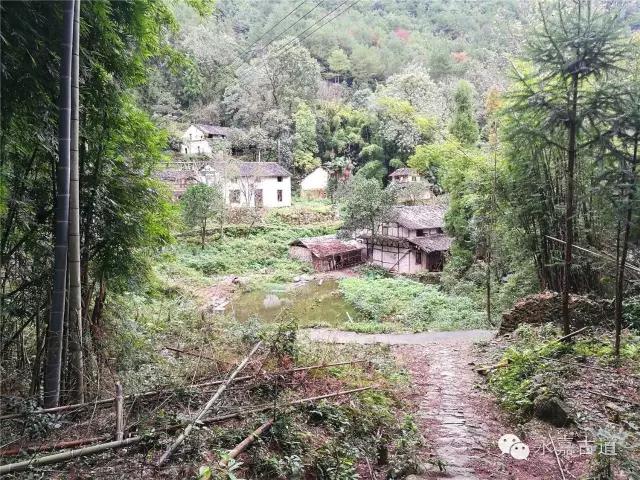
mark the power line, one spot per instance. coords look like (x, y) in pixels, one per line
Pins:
(248, 49)
(287, 46)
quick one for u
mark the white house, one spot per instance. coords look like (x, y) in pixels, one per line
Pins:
(314, 185)
(410, 187)
(412, 241)
(250, 184)
(198, 138)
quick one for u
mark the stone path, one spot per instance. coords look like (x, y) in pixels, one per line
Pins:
(442, 381)
(426, 338)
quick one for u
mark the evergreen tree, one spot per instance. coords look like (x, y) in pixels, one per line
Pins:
(464, 126)
(575, 45)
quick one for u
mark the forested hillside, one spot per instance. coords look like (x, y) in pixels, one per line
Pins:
(335, 82)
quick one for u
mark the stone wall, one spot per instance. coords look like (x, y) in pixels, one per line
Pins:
(545, 307)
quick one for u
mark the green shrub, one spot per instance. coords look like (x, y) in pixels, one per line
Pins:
(415, 305)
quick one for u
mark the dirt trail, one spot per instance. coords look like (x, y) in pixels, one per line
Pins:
(460, 421)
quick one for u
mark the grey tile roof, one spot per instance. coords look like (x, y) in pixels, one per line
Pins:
(213, 129)
(430, 215)
(434, 243)
(327, 245)
(250, 169)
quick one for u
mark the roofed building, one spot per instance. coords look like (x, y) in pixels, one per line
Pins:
(198, 138)
(251, 184)
(412, 241)
(179, 180)
(411, 187)
(315, 184)
(328, 252)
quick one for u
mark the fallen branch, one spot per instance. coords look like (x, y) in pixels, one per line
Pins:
(11, 452)
(61, 457)
(572, 334)
(64, 456)
(185, 352)
(557, 457)
(242, 446)
(109, 401)
(119, 412)
(206, 408)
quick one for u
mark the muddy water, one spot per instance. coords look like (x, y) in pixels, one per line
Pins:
(313, 303)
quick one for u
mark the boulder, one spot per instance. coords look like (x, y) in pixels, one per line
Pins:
(553, 410)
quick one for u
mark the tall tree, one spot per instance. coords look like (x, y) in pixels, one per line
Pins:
(574, 43)
(201, 203)
(75, 288)
(464, 126)
(305, 146)
(365, 204)
(55, 333)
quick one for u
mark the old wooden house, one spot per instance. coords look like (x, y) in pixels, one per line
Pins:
(412, 241)
(327, 252)
(179, 180)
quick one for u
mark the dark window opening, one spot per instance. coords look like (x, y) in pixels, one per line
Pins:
(418, 258)
(385, 230)
(420, 233)
(234, 196)
(279, 195)
(279, 179)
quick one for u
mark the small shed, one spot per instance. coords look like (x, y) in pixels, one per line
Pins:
(315, 184)
(327, 252)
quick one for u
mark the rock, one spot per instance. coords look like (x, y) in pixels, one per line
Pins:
(553, 410)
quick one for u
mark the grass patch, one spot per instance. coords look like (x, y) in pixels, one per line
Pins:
(413, 305)
(257, 251)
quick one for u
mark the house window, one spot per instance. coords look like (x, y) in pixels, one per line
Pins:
(198, 148)
(190, 136)
(185, 150)
(420, 233)
(418, 258)
(413, 179)
(279, 179)
(385, 230)
(234, 196)
(279, 195)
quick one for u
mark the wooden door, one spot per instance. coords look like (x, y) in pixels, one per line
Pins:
(259, 198)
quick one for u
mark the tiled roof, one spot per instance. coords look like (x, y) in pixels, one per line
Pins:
(403, 172)
(430, 215)
(434, 243)
(327, 245)
(213, 129)
(250, 169)
(172, 175)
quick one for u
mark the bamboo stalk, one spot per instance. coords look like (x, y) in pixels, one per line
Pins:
(206, 408)
(109, 401)
(61, 457)
(71, 454)
(244, 444)
(10, 452)
(119, 412)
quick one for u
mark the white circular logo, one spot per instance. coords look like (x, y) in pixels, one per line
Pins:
(519, 451)
(507, 441)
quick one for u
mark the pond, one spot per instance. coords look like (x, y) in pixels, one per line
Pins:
(317, 302)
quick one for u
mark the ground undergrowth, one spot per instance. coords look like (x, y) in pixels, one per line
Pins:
(395, 303)
(578, 385)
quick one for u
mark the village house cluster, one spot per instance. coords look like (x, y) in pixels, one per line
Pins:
(411, 241)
